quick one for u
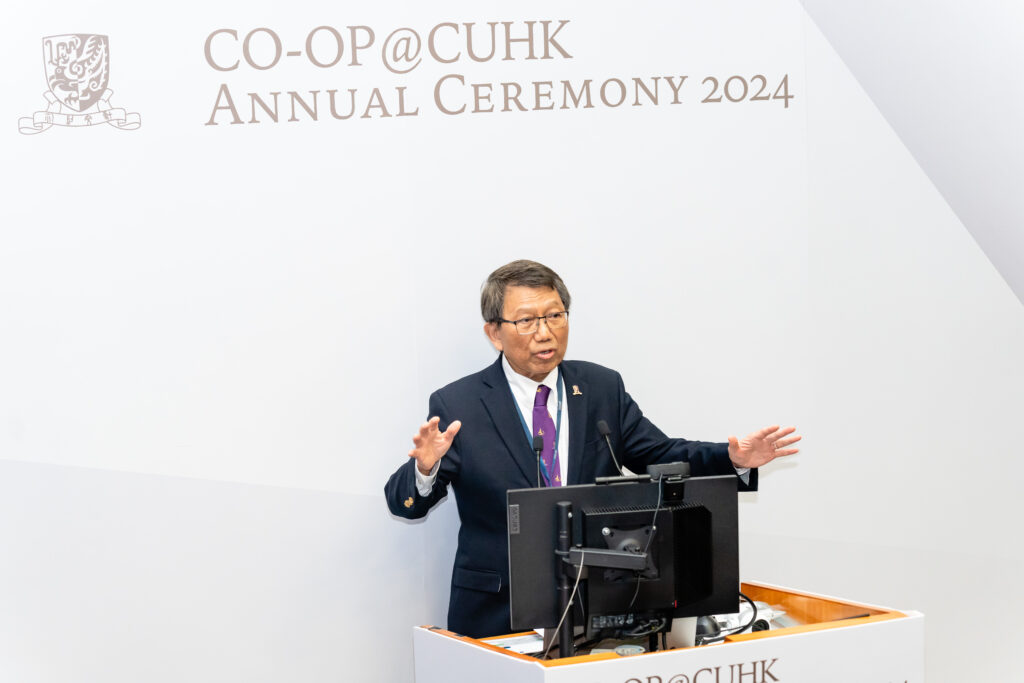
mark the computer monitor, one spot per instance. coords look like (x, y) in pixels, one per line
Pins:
(647, 550)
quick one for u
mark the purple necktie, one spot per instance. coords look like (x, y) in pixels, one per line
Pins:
(544, 426)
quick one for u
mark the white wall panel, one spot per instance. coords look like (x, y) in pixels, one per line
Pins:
(908, 491)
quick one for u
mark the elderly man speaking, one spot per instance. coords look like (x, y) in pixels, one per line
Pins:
(482, 430)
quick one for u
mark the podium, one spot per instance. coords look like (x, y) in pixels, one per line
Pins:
(836, 640)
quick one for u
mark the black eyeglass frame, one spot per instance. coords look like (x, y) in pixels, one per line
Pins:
(536, 319)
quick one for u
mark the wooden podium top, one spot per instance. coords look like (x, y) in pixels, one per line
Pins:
(813, 612)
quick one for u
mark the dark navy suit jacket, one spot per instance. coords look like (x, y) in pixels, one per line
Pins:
(491, 455)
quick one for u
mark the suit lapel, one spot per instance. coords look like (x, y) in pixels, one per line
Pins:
(576, 406)
(498, 401)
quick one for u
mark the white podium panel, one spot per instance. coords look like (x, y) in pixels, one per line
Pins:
(885, 646)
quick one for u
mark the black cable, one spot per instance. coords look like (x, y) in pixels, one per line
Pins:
(753, 617)
(647, 628)
(602, 428)
(735, 629)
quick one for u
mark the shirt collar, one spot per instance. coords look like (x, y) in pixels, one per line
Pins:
(524, 386)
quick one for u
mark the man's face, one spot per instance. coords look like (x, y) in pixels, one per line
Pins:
(533, 355)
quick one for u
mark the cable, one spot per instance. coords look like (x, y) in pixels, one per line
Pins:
(646, 628)
(753, 617)
(572, 596)
(654, 530)
(735, 629)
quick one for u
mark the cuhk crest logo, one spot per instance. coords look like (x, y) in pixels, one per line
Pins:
(77, 72)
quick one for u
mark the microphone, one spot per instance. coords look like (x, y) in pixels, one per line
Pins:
(538, 446)
(602, 428)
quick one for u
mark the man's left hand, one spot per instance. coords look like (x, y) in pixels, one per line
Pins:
(761, 447)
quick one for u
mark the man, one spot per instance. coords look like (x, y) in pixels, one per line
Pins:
(481, 433)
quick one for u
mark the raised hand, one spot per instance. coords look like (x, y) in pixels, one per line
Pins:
(431, 443)
(762, 446)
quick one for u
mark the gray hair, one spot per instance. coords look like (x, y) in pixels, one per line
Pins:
(520, 273)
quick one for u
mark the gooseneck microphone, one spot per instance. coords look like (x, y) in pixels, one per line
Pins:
(538, 446)
(602, 428)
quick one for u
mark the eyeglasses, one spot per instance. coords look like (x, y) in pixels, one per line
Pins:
(554, 321)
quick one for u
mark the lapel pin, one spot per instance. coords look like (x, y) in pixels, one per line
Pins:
(576, 390)
(408, 502)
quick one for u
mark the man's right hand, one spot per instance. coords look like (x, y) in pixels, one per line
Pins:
(431, 444)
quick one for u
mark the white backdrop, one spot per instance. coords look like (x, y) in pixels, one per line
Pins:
(217, 339)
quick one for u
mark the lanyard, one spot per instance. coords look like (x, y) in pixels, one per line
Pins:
(558, 424)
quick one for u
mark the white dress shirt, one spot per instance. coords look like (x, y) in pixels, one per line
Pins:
(524, 391)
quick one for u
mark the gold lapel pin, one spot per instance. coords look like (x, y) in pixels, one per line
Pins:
(576, 390)
(408, 502)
